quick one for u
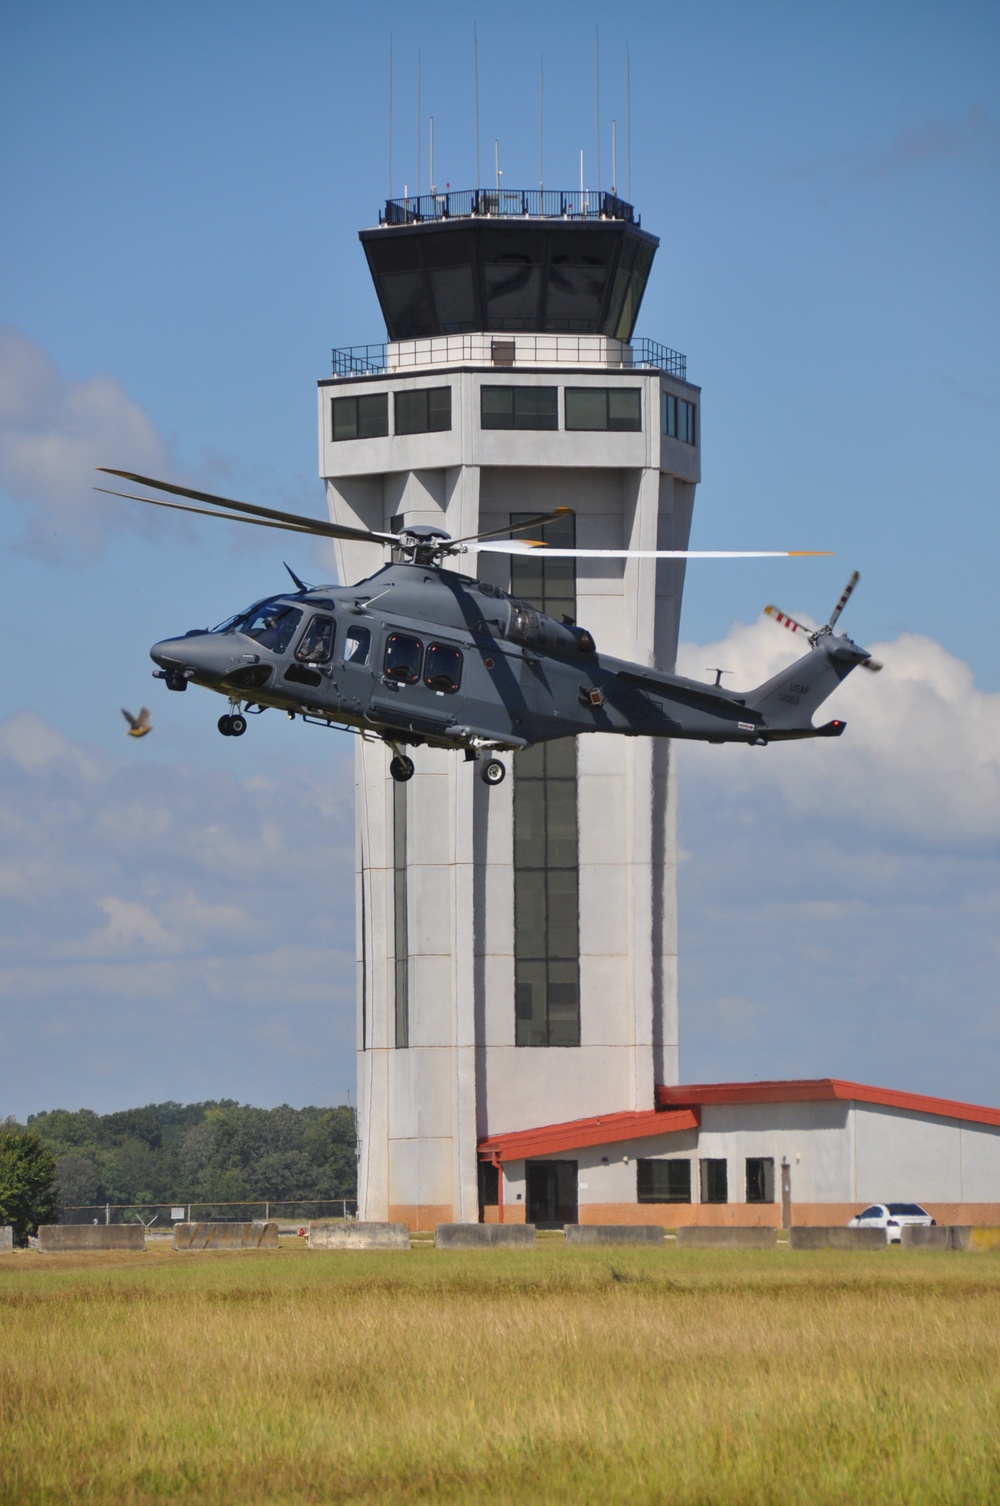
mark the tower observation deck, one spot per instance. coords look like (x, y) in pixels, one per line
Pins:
(516, 946)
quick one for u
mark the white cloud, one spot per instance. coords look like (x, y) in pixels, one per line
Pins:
(920, 756)
(838, 903)
(54, 432)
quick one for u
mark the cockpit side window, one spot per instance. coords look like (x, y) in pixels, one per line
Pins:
(443, 669)
(402, 658)
(272, 624)
(316, 643)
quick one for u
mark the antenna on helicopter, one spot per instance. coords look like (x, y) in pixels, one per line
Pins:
(300, 583)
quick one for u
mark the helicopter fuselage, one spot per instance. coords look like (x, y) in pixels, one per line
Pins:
(418, 654)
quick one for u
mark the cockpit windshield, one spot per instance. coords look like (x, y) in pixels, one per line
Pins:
(271, 622)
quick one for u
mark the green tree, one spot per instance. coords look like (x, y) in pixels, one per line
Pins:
(28, 1195)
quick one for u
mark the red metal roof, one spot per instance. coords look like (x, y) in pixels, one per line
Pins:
(680, 1109)
(602, 1129)
(815, 1090)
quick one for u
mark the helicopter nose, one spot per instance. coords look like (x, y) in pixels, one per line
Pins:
(199, 653)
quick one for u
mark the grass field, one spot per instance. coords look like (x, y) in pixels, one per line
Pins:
(548, 1375)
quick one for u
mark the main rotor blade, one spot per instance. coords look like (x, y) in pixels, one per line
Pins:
(230, 517)
(842, 603)
(783, 620)
(309, 525)
(517, 546)
(507, 530)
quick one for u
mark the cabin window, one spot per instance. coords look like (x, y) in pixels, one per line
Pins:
(443, 669)
(663, 1181)
(714, 1181)
(316, 643)
(360, 417)
(760, 1179)
(402, 658)
(272, 625)
(425, 411)
(519, 407)
(357, 644)
(618, 408)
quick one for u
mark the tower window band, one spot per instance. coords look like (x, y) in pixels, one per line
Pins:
(546, 839)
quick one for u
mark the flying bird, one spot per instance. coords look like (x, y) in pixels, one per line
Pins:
(139, 725)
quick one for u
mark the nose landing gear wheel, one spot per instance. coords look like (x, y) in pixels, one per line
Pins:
(493, 771)
(401, 768)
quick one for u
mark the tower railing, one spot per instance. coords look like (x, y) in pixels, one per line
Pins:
(504, 203)
(505, 349)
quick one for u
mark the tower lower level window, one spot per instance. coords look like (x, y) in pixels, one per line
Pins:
(604, 408)
(360, 417)
(424, 411)
(519, 407)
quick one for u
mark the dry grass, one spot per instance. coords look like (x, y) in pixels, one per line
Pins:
(539, 1376)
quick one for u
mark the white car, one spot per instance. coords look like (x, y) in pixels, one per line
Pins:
(891, 1217)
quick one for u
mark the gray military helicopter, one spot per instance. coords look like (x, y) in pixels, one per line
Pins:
(421, 655)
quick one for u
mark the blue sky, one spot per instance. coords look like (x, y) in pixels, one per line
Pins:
(182, 191)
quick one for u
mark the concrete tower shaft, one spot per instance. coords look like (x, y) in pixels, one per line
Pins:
(516, 945)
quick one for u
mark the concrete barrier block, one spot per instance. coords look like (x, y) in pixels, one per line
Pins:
(721, 1237)
(614, 1234)
(57, 1239)
(257, 1235)
(936, 1237)
(483, 1236)
(328, 1234)
(835, 1237)
(6, 1239)
(975, 1237)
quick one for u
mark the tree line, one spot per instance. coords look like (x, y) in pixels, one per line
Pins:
(205, 1153)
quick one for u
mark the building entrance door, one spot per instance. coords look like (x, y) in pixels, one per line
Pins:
(552, 1198)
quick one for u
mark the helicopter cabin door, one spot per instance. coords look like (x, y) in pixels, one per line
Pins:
(418, 683)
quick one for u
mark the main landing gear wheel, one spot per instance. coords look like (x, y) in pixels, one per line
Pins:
(401, 768)
(232, 726)
(493, 771)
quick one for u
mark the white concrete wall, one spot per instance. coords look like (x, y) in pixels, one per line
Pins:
(421, 1109)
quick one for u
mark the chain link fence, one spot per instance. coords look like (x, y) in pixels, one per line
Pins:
(164, 1215)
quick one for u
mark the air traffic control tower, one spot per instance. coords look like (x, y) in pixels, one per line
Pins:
(516, 944)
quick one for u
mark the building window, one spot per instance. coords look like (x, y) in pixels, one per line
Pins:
(679, 418)
(425, 411)
(604, 408)
(546, 843)
(361, 417)
(670, 415)
(519, 407)
(714, 1182)
(399, 927)
(663, 1181)
(760, 1179)
(489, 1187)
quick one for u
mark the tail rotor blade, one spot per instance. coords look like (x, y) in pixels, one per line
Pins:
(783, 620)
(842, 603)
